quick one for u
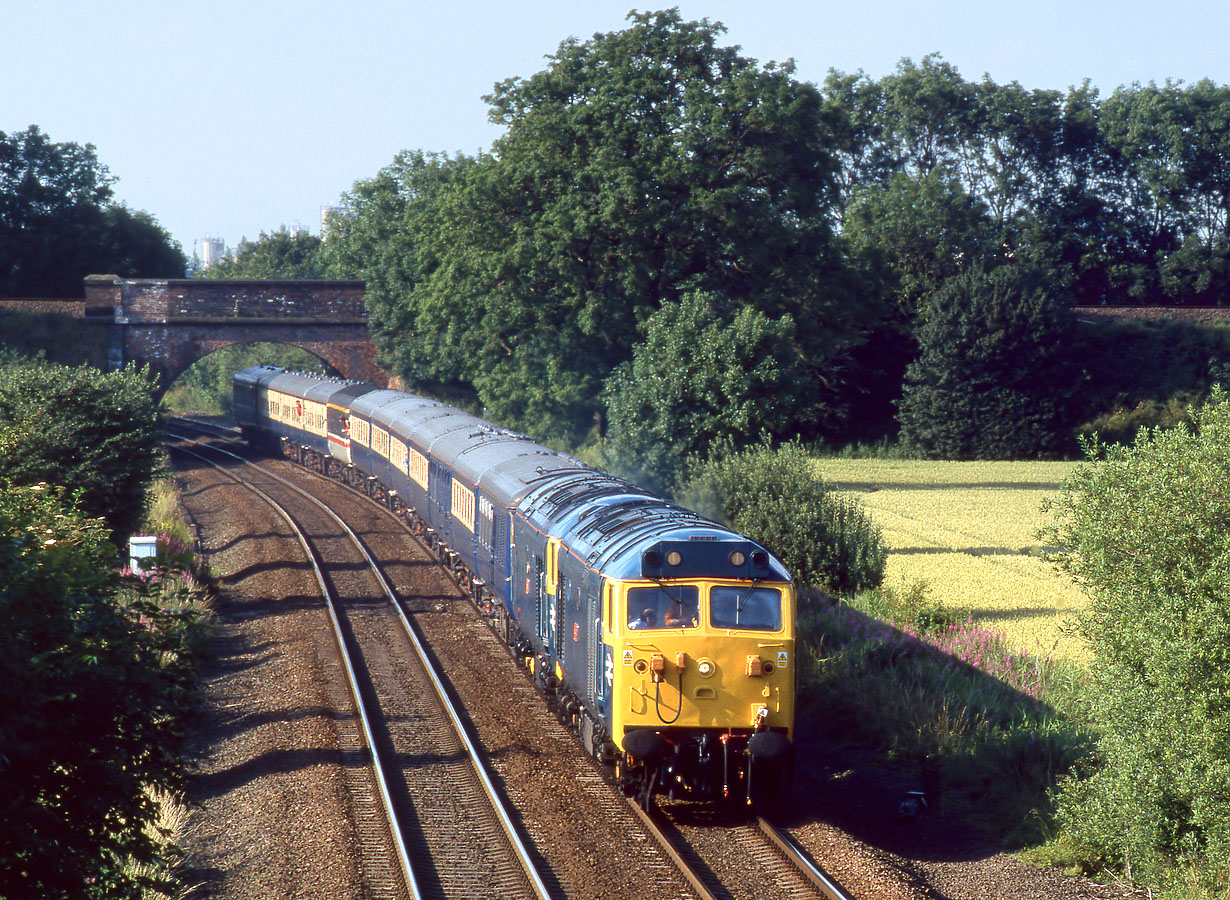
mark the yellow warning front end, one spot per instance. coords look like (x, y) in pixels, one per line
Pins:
(703, 681)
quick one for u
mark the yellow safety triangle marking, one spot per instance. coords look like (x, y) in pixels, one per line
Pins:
(627, 657)
(781, 657)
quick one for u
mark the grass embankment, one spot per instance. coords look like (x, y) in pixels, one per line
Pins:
(959, 667)
(987, 727)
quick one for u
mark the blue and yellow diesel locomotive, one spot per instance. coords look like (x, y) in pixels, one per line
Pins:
(665, 639)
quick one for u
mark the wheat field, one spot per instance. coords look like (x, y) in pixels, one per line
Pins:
(969, 531)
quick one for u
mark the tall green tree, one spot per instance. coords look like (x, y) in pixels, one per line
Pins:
(638, 166)
(855, 123)
(702, 381)
(1072, 227)
(914, 232)
(993, 376)
(1143, 529)
(1173, 146)
(59, 222)
(420, 217)
(930, 114)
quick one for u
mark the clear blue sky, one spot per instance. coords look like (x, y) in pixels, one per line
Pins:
(228, 118)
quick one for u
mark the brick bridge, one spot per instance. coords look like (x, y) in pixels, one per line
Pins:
(171, 323)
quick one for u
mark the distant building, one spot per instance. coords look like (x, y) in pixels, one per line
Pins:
(213, 251)
(327, 213)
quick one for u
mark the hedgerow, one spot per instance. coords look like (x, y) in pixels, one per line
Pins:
(1144, 528)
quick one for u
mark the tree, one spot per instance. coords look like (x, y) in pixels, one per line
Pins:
(993, 375)
(639, 166)
(277, 255)
(95, 433)
(854, 119)
(1144, 529)
(930, 114)
(1074, 228)
(1174, 151)
(58, 222)
(702, 380)
(419, 217)
(916, 232)
(134, 244)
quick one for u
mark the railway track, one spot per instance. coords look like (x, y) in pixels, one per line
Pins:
(427, 813)
(765, 862)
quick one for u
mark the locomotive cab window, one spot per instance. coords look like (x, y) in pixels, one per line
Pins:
(664, 606)
(738, 606)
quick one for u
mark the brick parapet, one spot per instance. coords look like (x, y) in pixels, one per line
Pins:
(202, 298)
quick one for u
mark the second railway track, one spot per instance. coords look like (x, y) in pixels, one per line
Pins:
(458, 840)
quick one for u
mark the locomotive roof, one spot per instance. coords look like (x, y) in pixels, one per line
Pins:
(612, 524)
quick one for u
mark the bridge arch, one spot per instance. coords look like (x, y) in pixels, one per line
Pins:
(168, 324)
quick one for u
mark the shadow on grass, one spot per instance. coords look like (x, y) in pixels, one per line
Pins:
(956, 717)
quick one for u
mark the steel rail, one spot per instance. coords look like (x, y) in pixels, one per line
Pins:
(814, 874)
(703, 891)
(386, 799)
(509, 828)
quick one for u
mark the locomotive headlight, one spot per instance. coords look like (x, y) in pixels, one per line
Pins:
(705, 667)
(674, 558)
(737, 558)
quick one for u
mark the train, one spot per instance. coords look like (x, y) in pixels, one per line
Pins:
(664, 639)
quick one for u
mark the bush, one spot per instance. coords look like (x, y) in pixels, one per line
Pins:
(1145, 373)
(1144, 529)
(98, 674)
(776, 498)
(1121, 425)
(914, 607)
(95, 434)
